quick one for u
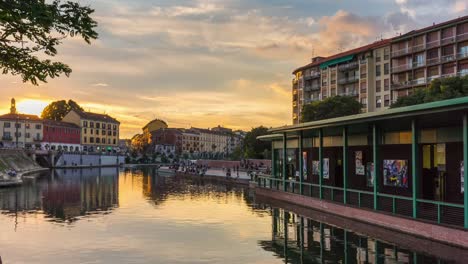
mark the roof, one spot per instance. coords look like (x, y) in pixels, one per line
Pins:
(20, 117)
(407, 111)
(153, 121)
(60, 123)
(430, 28)
(361, 49)
(96, 117)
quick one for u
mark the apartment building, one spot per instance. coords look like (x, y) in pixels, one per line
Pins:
(20, 130)
(61, 136)
(99, 132)
(378, 73)
(351, 73)
(190, 141)
(423, 55)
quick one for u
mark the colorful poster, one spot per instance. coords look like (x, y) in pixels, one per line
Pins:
(326, 168)
(395, 173)
(360, 170)
(304, 164)
(315, 167)
(462, 176)
(370, 174)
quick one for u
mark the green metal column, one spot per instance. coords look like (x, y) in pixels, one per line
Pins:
(320, 163)
(376, 147)
(415, 165)
(301, 165)
(345, 164)
(465, 164)
(284, 162)
(301, 238)
(273, 164)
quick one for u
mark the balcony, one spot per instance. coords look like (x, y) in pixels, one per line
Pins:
(448, 40)
(448, 58)
(401, 52)
(462, 55)
(7, 138)
(418, 48)
(312, 75)
(431, 78)
(350, 79)
(348, 93)
(417, 64)
(402, 68)
(463, 36)
(462, 73)
(363, 62)
(406, 84)
(348, 66)
(433, 61)
(432, 44)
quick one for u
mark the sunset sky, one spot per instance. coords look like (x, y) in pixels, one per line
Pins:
(206, 63)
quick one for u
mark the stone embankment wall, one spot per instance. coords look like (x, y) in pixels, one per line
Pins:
(91, 160)
(17, 160)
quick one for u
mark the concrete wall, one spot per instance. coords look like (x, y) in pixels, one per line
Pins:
(69, 159)
(17, 160)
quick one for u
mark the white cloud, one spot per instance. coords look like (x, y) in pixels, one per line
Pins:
(100, 84)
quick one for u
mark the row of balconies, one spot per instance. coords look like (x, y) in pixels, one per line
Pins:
(10, 138)
(432, 44)
(423, 81)
(348, 66)
(349, 79)
(312, 75)
(431, 61)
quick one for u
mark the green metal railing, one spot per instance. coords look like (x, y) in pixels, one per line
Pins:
(434, 211)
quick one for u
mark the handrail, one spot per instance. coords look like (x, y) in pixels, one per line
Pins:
(440, 203)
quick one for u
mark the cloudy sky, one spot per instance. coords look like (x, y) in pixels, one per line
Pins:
(209, 62)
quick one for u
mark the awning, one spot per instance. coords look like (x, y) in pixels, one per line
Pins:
(336, 61)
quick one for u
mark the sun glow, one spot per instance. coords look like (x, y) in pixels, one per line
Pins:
(31, 106)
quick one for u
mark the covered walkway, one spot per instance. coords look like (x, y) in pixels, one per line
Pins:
(407, 161)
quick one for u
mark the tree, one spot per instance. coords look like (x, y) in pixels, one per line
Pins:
(439, 89)
(331, 107)
(59, 109)
(36, 27)
(254, 148)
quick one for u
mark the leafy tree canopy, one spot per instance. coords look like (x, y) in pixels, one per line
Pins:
(331, 107)
(58, 109)
(439, 89)
(254, 148)
(30, 29)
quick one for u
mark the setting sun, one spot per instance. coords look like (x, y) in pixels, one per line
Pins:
(31, 106)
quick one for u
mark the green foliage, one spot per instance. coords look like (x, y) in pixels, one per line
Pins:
(237, 154)
(254, 148)
(58, 109)
(440, 89)
(331, 107)
(36, 27)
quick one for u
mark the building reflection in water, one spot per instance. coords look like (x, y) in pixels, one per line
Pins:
(298, 239)
(65, 195)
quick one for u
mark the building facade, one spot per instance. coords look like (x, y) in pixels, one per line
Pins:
(168, 136)
(61, 136)
(20, 130)
(420, 56)
(378, 73)
(99, 132)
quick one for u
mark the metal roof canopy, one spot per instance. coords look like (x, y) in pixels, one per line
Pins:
(430, 115)
(336, 61)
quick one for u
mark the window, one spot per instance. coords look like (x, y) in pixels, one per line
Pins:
(114, 133)
(28, 135)
(377, 56)
(38, 126)
(85, 140)
(6, 134)
(109, 126)
(98, 140)
(109, 133)
(92, 131)
(91, 140)
(108, 141)
(103, 132)
(18, 125)
(38, 136)
(377, 70)
(85, 123)
(114, 142)
(97, 132)
(386, 84)
(115, 127)
(17, 134)
(98, 125)
(364, 102)
(386, 68)
(386, 100)
(378, 85)
(91, 124)
(7, 124)
(386, 53)
(378, 102)
(85, 131)
(27, 126)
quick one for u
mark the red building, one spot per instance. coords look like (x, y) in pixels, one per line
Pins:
(61, 136)
(168, 136)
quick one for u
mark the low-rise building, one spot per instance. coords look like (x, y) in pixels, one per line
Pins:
(99, 132)
(20, 130)
(61, 136)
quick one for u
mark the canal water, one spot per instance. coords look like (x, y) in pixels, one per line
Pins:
(135, 216)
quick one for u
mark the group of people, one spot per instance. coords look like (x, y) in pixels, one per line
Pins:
(193, 169)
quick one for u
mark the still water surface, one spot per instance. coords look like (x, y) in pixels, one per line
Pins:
(135, 216)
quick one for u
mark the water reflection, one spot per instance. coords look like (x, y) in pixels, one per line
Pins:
(297, 239)
(64, 195)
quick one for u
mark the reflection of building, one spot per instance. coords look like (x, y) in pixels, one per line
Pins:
(300, 240)
(99, 132)
(20, 130)
(61, 136)
(69, 194)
